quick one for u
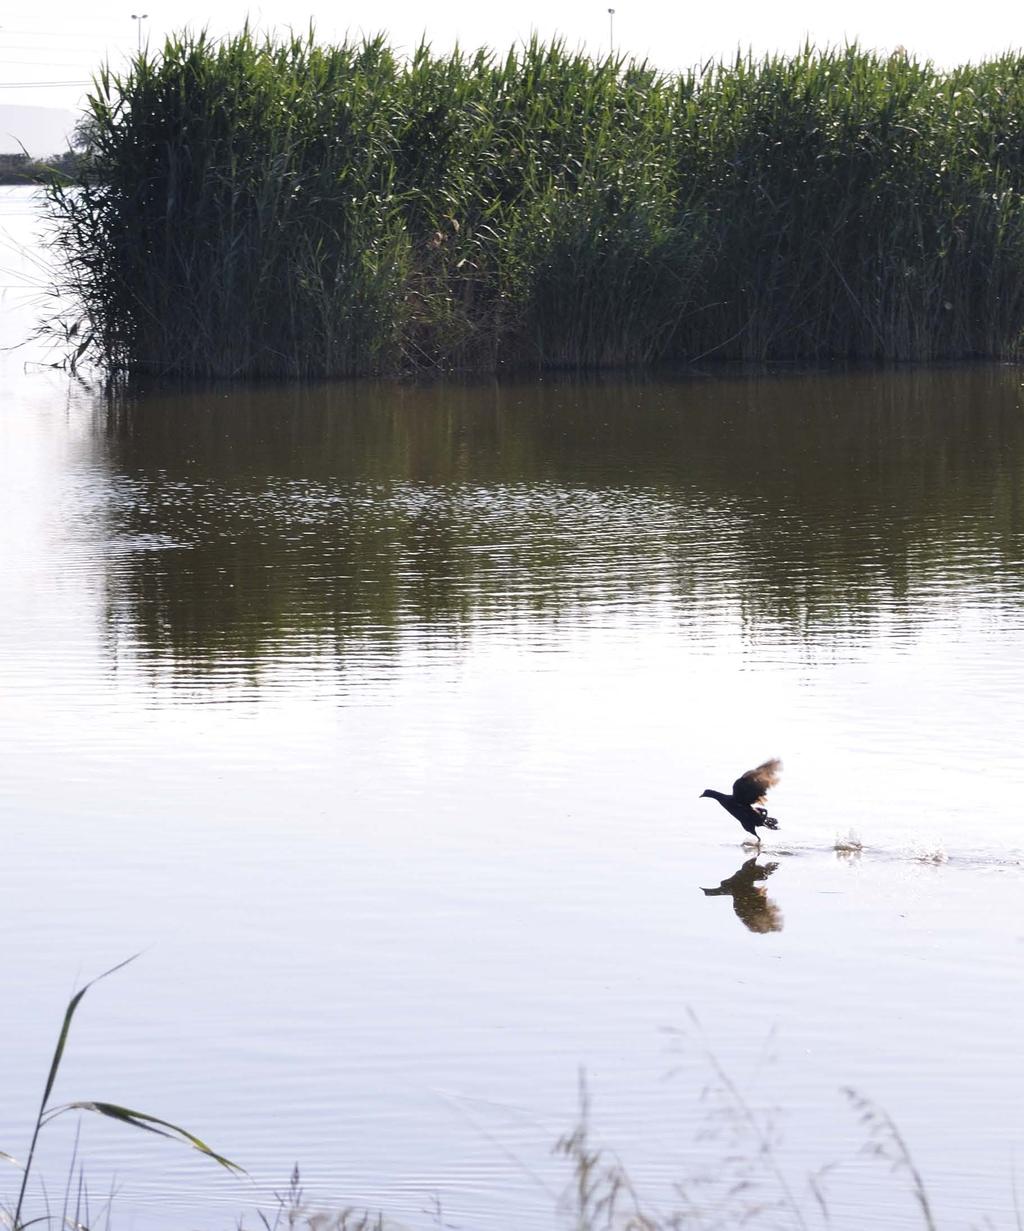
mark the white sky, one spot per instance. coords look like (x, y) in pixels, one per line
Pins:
(63, 41)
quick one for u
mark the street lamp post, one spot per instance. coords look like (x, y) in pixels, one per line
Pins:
(611, 32)
(139, 18)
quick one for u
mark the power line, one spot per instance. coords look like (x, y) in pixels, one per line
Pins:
(45, 63)
(36, 85)
(49, 44)
(93, 31)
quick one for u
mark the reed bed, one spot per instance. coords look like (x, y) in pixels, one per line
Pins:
(253, 208)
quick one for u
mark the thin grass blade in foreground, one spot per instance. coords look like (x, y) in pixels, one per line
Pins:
(151, 1124)
(137, 1119)
(888, 1144)
(58, 1053)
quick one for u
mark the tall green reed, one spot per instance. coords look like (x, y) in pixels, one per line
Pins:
(124, 1115)
(261, 208)
(864, 206)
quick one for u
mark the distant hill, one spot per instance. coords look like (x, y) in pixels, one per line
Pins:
(41, 130)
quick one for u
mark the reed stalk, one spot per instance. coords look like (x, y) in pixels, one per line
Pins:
(255, 208)
(124, 1115)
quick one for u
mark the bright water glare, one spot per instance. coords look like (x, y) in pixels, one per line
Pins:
(376, 716)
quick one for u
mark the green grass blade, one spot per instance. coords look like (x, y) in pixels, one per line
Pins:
(58, 1053)
(153, 1124)
(69, 1013)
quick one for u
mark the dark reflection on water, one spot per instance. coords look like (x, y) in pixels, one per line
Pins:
(754, 909)
(816, 507)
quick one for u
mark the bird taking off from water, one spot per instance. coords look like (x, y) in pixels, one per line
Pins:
(746, 803)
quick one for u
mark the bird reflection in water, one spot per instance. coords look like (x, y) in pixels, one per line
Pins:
(749, 899)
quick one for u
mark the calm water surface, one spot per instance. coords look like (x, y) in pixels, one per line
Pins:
(377, 716)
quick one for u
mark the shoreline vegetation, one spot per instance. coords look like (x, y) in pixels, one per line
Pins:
(747, 1185)
(75, 1203)
(252, 208)
(19, 170)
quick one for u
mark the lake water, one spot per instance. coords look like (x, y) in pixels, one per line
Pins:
(376, 716)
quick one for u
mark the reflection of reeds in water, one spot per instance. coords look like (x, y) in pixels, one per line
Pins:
(352, 516)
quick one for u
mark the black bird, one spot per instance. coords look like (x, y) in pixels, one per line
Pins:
(746, 803)
(755, 910)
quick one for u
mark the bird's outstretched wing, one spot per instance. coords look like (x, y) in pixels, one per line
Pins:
(751, 787)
